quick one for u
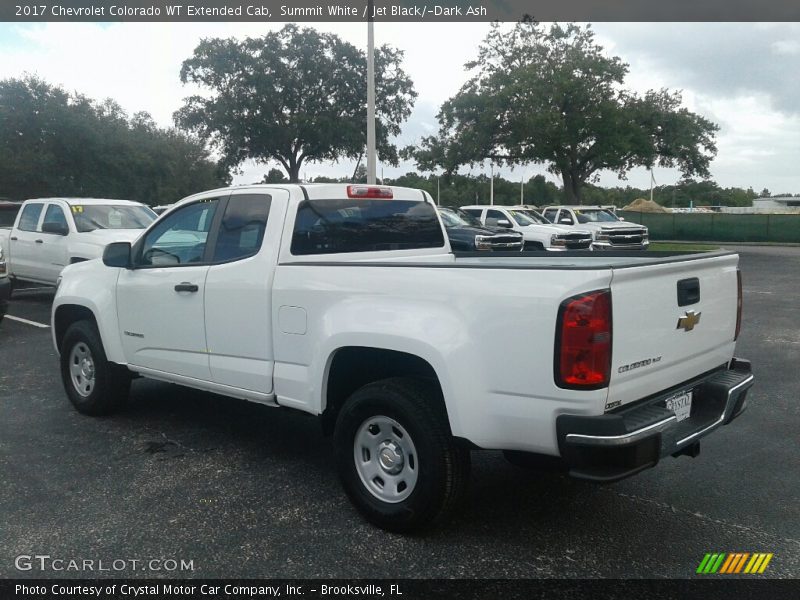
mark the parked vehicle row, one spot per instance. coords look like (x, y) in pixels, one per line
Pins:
(350, 305)
(50, 233)
(608, 231)
(537, 232)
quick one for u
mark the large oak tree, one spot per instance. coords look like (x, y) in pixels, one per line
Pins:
(58, 143)
(552, 96)
(293, 96)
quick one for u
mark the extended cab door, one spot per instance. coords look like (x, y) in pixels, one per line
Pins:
(55, 229)
(26, 242)
(160, 300)
(239, 290)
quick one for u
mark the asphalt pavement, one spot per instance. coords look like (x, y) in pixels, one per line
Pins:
(242, 490)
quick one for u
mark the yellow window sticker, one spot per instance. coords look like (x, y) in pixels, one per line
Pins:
(77, 209)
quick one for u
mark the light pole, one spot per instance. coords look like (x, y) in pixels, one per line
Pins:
(491, 184)
(371, 162)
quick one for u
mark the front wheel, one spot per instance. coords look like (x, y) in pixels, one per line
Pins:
(94, 385)
(396, 457)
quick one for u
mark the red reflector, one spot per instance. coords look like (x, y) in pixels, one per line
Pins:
(368, 191)
(583, 341)
(738, 304)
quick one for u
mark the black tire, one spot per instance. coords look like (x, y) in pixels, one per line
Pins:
(441, 464)
(111, 382)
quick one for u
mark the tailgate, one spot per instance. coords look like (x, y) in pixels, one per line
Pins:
(656, 343)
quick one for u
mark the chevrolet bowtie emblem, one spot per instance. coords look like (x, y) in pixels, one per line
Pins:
(689, 320)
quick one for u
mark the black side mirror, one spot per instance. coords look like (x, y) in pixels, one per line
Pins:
(118, 255)
(57, 228)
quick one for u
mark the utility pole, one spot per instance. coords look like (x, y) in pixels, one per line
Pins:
(371, 166)
(521, 190)
(491, 183)
(437, 192)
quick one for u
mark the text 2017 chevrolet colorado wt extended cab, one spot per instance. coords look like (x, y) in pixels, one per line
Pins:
(346, 302)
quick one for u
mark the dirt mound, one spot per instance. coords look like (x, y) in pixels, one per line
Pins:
(648, 206)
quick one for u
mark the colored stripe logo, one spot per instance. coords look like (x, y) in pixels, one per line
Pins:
(734, 563)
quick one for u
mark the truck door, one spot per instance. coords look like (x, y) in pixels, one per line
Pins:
(26, 242)
(161, 299)
(54, 243)
(239, 290)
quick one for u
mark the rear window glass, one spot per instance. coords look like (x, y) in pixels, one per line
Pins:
(360, 225)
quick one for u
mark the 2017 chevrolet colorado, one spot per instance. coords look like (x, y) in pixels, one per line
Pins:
(346, 302)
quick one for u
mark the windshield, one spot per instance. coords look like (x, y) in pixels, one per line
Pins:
(453, 217)
(595, 216)
(527, 217)
(111, 216)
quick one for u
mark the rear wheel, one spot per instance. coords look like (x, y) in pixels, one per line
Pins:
(396, 457)
(94, 385)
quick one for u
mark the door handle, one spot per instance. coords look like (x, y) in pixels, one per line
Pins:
(14, 239)
(186, 287)
(40, 241)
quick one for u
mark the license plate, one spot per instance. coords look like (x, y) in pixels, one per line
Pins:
(681, 405)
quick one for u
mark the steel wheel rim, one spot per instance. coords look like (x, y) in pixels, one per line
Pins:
(386, 459)
(82, 369)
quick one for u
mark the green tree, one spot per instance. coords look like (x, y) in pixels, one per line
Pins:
(293, 96)
(54, 143)
(552, 96)
(274, 176)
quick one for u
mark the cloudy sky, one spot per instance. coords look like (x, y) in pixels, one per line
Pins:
(743, 76)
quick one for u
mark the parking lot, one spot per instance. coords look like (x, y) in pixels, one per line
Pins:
(243, 490)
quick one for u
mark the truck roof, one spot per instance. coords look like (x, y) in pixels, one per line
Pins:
(319, 191)
(87, 201)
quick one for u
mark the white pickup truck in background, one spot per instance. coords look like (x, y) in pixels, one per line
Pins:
(346, 302)
(50, 233)
(538, 232)
(609, 232)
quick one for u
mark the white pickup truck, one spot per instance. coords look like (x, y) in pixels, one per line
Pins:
(50, 233)
(346, 302)
(609, 232)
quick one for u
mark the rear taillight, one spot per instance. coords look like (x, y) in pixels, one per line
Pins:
(369, 191)
(583, 341)
(738, 304)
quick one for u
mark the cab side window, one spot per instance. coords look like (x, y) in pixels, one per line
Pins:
(242, 228)
(550, 214)
(181, 238)
(565, 217)
(493, 216)
(30, 217)
(55, 215)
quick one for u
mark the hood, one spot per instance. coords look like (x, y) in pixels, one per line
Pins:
(102, 237)
(470, 230)
(618, 225)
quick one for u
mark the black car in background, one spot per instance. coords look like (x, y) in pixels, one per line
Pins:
(466, 233)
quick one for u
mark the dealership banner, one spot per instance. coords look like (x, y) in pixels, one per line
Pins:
(399, 589)
(399, 10)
